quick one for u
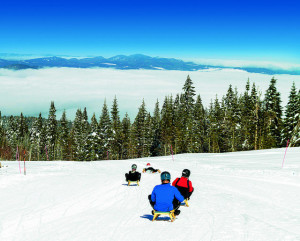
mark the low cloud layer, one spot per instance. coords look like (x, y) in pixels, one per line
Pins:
(248, 63)
(31, 91)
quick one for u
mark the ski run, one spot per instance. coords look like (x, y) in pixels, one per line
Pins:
(238, 196)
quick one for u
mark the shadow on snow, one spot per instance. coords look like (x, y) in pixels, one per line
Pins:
(150, 217)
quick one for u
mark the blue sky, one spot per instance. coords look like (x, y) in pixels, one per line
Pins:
(244, 30)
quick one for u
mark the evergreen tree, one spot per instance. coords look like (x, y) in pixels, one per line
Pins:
(256, 119)
(232, 119)
(167, 125)
(93, 143)
(38, 139)
(126, 130)
(2, 133)
(198, 136)
(291, 121)
(105, 132)
(247, 111)
(155, 148)
(179, 125)
(139, 131)
(149, 133)
(273, 113)
(78, 137)
(189, 93)
(64, 137)
(51, 132)
(116, 142)
(215, 136)
(85, 124)
(23, 128)
(12, 132)
(188, 101)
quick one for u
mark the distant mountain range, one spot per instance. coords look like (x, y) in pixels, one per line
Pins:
(137, 61)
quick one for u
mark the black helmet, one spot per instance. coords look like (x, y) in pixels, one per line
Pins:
(134, 166)
(165, 176)
(186, 173)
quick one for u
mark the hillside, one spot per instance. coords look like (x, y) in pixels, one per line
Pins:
(238, 196)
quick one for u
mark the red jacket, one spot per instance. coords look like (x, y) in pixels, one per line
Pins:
(183, 183)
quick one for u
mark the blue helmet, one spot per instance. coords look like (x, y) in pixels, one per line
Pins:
(165, 176)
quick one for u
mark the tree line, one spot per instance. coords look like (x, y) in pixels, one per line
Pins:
(236, 122)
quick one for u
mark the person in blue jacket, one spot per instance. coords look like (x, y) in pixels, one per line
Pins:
(165, 197)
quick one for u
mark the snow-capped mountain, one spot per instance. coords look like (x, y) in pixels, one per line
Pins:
(136, 61)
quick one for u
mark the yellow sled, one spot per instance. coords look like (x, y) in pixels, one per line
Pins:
(137, 182)
(170, 214)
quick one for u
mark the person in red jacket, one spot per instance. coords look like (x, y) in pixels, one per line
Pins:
(183, 184)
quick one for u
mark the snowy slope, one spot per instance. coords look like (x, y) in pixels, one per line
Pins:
(238, 196)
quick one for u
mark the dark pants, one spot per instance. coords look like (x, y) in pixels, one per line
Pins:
(151, 169)
(136, 177)
(185, 192)
(176, 203)
(190, 194)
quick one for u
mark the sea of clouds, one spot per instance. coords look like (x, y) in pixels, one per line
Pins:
(31, 91)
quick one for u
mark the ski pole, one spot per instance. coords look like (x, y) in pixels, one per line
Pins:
(287, 144)
(172, 152)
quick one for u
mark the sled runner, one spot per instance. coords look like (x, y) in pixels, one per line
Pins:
(170, 214)
(137, 182)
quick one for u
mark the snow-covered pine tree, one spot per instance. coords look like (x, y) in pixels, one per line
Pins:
(180, 125)
(232, 120)
(292, 114)
(78, 140)
(85, 123)
(139, 131)
(23, 127)
(12, 133)
(37, 139)
(105, 132)
(247, 109)
(93, 142)
(273, 113)
(5, 150)
(149, 133)
(155, 149)
(167, 125)
(2, 133)
(126, 130)
(188, 111)
(24, 137)
(198, 136)
(215, 118)
(63, 137)
(51, 132)
(116, 140)
(256, 119)
(295, 141)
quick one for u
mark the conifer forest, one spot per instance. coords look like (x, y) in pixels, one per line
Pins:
(250, 120)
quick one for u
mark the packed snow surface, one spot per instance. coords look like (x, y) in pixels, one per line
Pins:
(238, 196)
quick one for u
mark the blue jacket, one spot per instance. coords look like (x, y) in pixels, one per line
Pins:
(163, 196)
